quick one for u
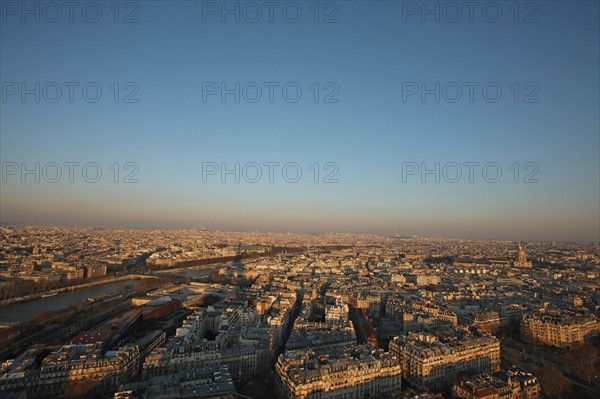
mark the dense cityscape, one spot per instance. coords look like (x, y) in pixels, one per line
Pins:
(299, 199)
(209, 314)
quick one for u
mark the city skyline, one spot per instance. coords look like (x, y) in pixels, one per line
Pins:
(155, 313)
(201, 227)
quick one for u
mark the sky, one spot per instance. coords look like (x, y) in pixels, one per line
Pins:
(386, 117)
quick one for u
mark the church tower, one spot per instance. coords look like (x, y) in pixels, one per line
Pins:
(521, 258)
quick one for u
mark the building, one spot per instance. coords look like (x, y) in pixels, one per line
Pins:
(559, 329)
(336, 313)
(512, 384)
(351, 371)
(435, 363)
(207, 383)
(171, 359)
(148, 342)
(483, 386)
(371, 302)
(72, 370)
(98, 270)
(314, 334)
(521, 258)
(486, 321)
(526, 384)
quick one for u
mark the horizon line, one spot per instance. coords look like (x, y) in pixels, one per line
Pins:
(203, 228)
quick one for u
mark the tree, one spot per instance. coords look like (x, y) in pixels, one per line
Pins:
(44, 318)
(583, 361)
(553, 382)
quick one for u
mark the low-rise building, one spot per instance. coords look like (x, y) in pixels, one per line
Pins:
(435, 363)
(207, 383)
(351, 371)
(559, 329)
(512, 384)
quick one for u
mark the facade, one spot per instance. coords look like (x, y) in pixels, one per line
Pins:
(410, 315)
(371, 302)
(336, 313)
(559, 329)
(97, 270)
(526, 384)
(246, 360)
(149, 342)
(72, 370)
(207, 383)
(521, 258)
(245, 352)
(481, 387)
(318, 336)
(351, 371)
(435, 363)
(512, 384)
(171, 359)
(486, 321)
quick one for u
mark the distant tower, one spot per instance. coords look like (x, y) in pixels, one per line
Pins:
(521, 255)
(521, 258)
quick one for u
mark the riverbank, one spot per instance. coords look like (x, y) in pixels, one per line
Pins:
(38, 295)
(26, 311)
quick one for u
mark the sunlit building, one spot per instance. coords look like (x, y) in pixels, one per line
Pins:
(559, 329)
(512, 384)
(349, 371)
(431, 362)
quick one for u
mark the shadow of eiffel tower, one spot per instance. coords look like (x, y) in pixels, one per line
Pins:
(237, 260)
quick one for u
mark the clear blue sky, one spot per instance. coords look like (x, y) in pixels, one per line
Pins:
(368, 55)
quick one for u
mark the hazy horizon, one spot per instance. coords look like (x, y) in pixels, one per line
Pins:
(299, 232)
